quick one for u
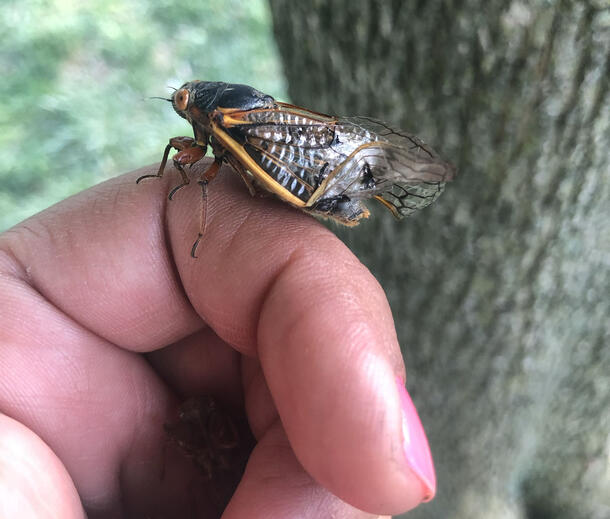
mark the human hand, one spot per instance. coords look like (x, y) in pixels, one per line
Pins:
(107, 323)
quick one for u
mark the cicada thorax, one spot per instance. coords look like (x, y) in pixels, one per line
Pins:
(207, 96)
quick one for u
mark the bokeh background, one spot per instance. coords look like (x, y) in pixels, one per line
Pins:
(77, 77)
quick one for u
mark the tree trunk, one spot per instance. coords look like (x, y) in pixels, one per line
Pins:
(501, 289)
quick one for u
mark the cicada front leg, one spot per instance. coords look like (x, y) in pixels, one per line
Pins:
(189, 152)
(208, 176)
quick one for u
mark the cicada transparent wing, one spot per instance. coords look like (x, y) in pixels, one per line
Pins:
(393, 166)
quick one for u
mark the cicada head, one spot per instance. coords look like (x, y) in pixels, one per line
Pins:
(194, 101)
(203, 97)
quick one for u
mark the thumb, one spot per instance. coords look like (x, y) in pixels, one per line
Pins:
(33, 481)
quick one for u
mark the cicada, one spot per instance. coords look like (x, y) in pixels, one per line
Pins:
(217, 439)
(210, 435)
(324, 165)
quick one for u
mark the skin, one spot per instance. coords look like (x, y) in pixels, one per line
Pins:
(107, 323)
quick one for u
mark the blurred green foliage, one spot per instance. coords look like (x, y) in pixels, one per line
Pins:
(76, 81)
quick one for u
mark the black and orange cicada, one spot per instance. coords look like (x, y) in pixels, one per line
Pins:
(324, 165)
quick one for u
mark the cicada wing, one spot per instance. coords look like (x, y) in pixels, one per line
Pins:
(391, 165)
(326, 162)
(288, 143)
(408, 199)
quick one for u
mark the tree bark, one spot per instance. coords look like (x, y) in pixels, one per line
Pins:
(501, 290)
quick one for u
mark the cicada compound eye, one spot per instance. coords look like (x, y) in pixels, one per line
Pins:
(181, 99)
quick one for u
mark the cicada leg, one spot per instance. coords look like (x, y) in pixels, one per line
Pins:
(341, 209)
(209, 175)
(189, 152)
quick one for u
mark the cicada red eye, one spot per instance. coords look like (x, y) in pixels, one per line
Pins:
(181, 99)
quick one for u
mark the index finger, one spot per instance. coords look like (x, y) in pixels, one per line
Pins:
(270, 281)
(275, 283)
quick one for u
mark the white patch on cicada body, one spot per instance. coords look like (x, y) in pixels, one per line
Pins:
(283, 177)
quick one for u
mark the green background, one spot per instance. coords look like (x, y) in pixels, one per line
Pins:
(76, 82)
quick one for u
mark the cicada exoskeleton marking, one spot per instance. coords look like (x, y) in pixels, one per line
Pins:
(323, 165)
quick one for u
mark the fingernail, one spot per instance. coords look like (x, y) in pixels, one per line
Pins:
(415, 444)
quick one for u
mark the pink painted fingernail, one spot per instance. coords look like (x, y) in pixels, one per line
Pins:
(415, 444)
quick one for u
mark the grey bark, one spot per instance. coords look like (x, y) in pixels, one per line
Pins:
(501, 290)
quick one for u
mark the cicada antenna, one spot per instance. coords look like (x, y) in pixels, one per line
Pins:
(164, 98)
